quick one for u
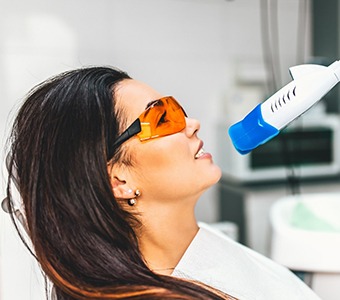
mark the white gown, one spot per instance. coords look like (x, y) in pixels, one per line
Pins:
(218, 261)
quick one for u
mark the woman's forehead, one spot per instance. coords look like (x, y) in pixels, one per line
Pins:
(133, 96)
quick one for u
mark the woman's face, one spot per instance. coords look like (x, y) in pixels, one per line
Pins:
(168, 168)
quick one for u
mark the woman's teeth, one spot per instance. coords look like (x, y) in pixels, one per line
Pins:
(200, 153)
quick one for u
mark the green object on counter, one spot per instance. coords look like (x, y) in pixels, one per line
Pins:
(304, 218)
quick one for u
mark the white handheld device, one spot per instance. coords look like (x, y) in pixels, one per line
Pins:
(310, 83)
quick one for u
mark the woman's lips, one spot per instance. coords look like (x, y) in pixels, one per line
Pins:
(200, 153)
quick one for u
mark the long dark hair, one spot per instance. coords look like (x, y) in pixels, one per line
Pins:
(82, 238)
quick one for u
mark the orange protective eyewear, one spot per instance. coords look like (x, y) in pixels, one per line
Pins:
(162, 117)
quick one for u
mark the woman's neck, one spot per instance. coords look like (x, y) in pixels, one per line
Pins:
(165, 235)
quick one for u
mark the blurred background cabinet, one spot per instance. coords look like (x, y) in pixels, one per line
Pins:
(248, 205)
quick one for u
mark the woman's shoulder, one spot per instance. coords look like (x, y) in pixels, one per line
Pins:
(214, 258)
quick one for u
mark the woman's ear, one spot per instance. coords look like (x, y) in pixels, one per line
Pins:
(120, 188)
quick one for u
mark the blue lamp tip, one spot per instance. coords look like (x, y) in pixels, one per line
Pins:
(251, 132)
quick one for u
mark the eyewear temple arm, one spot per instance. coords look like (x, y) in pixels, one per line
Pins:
(132, 130)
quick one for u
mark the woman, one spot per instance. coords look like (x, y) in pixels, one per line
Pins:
(109, 172)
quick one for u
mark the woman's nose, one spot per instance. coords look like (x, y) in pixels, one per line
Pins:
(192, 126)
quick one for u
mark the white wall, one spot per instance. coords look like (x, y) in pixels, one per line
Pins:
(187, 48)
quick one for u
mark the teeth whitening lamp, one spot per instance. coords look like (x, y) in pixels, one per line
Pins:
(310, 83)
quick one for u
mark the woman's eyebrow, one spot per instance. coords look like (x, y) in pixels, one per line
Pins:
(151, 103)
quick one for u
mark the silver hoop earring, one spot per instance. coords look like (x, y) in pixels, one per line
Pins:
(133, 201)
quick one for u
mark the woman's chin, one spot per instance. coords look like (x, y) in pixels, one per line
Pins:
(214, 176)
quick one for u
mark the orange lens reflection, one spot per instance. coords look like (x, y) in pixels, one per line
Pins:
(164, 117)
